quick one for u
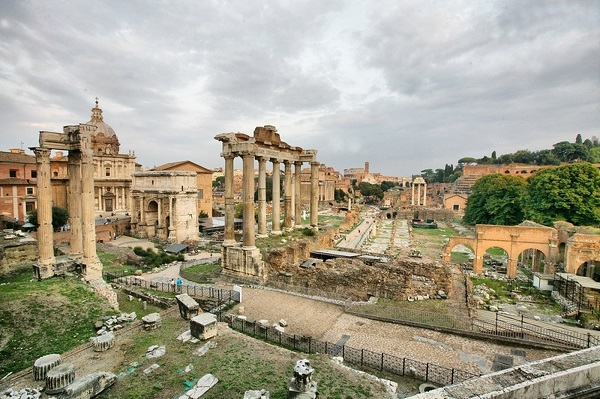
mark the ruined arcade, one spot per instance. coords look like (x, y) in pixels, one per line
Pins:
(265, 145)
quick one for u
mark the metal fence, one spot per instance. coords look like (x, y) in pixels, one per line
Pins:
(221, 296)
(362, 358)
(502, 327)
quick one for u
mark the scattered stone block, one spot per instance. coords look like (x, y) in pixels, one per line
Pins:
(88, 386)
(185, 336)
(204, 348)
(242, 317)
(279, 328)
(187, 306)
(151, 368)
(104, 342)
(204, 326)
(241, 310)
(151, 321)
(59, 377)
(262, 394)
(264, 323)
(283, 323)
(202, 386)
(155, 351)
(44, 364)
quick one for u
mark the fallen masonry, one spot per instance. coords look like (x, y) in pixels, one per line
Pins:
(202, 386)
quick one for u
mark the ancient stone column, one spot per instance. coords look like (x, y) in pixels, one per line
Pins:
(170, 228)
(100, 202)
(45, 235)
(248, 185)
(314, 194)
(74, 200)
(298, 194)
(262, 197)
(412, 197)
(44, 364)
(59, 377)
(287, 192)
(424, 194)
(276, 228)
(229, 204)
(93, 267)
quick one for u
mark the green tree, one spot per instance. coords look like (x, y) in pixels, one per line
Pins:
(219, 181)
(372, 192)
(60, 217)
(496, 199)
(340, 195)
(570, 193)
(578, 139)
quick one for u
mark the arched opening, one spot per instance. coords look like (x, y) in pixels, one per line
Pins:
(495, 259)
(463, 255)
(589, 269)
(152, 214)
(533, 260)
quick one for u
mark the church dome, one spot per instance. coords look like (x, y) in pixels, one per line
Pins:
(101, 126)
(104, 139)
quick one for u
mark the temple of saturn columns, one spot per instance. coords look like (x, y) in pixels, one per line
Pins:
(265, 145)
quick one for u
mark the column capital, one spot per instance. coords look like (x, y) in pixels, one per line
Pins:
(41, 154)
(275, 160)
(298, 163)
(315, 163)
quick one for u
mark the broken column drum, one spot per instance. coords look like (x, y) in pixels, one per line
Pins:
(59, 377)
(187, 306)
(45, 364)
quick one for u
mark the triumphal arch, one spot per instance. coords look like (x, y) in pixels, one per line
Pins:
(265, 145)
(512, 239)
(77, 140)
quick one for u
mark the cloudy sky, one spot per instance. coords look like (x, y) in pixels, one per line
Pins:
(404, 85)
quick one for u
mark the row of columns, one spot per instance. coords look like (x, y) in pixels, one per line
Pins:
(292, 204)
(421, 198)
(81, 212)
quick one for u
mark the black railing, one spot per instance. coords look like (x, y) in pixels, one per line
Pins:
(221, 296)
(363, 358)
(502, 327)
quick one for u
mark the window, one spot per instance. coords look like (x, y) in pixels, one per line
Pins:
(29, 207)
(13, 173)
(55, 173)
(29, 190)
(200, 193)
(107, 172)
(455, 207)
(34, 174)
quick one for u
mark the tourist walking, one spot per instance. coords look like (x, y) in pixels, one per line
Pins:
(178, 284)
(173, 284)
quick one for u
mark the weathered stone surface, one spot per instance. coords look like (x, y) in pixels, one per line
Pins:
(262, 394)
(59, 377)
(103, 342)
(204, 326)
(202, 386)
(88, 386)
(151, 321)
(44, 364)
(187, 306)
(155, 351)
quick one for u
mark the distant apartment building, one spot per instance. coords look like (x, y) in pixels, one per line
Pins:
(18, 179)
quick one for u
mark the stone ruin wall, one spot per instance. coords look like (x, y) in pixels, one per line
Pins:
(17, 256)
(352, 278)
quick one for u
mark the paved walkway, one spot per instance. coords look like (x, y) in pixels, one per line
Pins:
(328, 322)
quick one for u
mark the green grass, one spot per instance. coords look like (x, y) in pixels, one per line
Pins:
(42, 317)
(330, 221)
(445, 232)
(239, 362)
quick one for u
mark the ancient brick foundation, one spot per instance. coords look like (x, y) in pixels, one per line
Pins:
(400, 279)
(18, 255)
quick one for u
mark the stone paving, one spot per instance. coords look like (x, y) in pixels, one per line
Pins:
(328, 322)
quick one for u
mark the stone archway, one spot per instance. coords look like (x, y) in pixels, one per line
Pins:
(513, 239)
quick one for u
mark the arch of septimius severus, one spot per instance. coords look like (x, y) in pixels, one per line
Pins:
(265, 145)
